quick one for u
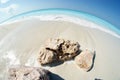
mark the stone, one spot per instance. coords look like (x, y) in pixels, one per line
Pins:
(54, 44)
(28, 73)
(85, 60)
(69, 49)
(46, 56)
(58, 50)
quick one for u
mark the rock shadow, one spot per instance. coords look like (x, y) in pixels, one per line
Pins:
(93, 61)
(53, 64)
(98, 79)
(54, 76)
(57, 63)
(78, 52)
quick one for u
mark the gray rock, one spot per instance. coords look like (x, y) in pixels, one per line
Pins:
(27, 73)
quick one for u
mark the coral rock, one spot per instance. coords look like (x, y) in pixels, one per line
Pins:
(46, 56)
(69, 49)
(85, 60)
(58, 50)
(54, 44)
(28, 73)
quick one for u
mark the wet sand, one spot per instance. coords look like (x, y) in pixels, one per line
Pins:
(20, 43)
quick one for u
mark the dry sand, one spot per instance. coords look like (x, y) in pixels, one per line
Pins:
(20, 43)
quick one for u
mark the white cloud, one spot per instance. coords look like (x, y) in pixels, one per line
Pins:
(3, 1)
(9, 9)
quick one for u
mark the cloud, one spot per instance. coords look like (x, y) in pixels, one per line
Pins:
(4, 1)
(9, 9)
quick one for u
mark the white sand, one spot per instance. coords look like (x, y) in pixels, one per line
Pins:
(25, 38)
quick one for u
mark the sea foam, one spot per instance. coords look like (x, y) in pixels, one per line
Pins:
(72, 19)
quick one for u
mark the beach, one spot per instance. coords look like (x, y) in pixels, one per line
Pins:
(20, 43)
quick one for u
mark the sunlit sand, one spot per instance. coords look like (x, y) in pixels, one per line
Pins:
(20, 43)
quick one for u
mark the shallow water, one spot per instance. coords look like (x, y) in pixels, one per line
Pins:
(20, 44)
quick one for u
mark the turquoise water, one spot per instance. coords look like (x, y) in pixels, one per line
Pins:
(79, 14)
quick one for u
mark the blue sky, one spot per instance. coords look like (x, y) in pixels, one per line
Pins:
(105, 9)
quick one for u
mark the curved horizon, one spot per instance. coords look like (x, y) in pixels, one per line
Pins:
(70, 12)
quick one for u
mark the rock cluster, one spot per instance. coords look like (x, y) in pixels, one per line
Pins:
(28, 73)
(85, 60)
(58, 50)
(54, 50)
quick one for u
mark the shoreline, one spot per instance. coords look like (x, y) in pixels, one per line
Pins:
(73, 19)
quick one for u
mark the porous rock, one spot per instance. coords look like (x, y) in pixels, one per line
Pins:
(58, 50)
(46, 56)
(27, 73)
(54, 44)
(69, 50)
(85, 60)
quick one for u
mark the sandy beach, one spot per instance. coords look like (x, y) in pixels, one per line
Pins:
(20, 43)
